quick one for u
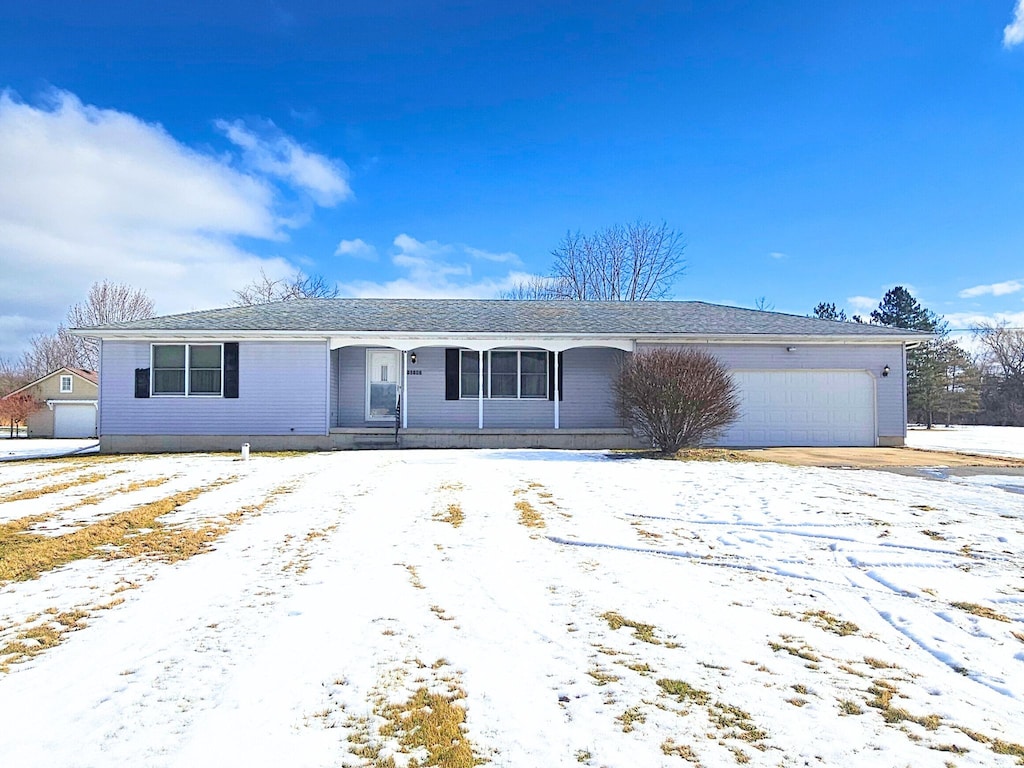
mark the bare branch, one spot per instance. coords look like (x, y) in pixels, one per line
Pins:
(264, 290)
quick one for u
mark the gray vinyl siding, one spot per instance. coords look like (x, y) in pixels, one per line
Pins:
(587, 402)
(839, 357)
(282, 390)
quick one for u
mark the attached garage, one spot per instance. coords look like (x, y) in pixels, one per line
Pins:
(804, 408)
(74, 420)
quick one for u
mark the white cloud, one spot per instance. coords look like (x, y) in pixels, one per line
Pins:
(995, 289)
(437, 270)
(778, 255)
(862, 302)
(323, 179)
(965, 321)
(502, 258)
(90, 194)
(357, 249)
(1013, 33)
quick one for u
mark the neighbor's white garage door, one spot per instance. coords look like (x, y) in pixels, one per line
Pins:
(812, 408)
(74, 420)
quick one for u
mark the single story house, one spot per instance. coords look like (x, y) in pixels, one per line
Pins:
(69, 397)
(342, 373)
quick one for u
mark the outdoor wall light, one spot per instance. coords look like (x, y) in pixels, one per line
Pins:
(412, 358)
(885, 371)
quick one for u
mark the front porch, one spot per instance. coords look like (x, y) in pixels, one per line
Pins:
(547, 388)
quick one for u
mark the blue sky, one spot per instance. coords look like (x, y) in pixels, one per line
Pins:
(807, 151)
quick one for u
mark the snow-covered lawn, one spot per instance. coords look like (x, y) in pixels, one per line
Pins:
(21, 447)
(579, 609)
(992, 441)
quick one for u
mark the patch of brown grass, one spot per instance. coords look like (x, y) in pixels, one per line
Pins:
(828, 622)
(528, 515)
(630, 716)
(454, 516)
(35, 493)
(801, 651)
(981, 610)
(998, 746)
(32, 641)
(669, 747)
(644, 632)
(137, 532)
(683, 691)
(713, 454)
(883, 692)
(129, 488)
(434, 723)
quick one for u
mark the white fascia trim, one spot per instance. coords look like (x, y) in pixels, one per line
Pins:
(51, 403)
(481, 342)
(792, 340)
(185, 337)
(484, 341)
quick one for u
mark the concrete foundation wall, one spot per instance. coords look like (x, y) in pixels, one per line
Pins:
(578, 439)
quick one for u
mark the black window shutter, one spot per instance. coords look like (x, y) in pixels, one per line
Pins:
(551, 377)
(142, 382)
(231, 369)
(451, 374)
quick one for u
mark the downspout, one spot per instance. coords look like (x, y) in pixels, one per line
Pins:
(327, 368)
(904, 345)
(405, 389)
(557, 393)
(99, 388)
(480, 393)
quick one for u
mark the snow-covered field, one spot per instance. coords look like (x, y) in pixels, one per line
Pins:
(579, 609)
(991, 441)
(20, 447)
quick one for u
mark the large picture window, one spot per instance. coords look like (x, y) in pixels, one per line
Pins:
(508, 374)
(188, 369)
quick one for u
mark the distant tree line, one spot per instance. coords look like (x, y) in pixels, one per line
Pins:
(946, 383)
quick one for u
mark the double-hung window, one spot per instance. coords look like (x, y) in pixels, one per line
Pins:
(508, 374)
(66, 384)
(188, 369)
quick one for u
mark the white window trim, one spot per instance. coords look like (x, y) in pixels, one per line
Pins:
(188, 360)
(488, 370)
(71, 384)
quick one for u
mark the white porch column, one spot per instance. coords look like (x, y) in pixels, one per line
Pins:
(404, 395)
(480, 392)
(556, 389)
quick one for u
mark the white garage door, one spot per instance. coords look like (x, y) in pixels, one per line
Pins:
(74, 420)
(803, 408)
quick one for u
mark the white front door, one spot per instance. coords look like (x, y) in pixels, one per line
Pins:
(382, 374)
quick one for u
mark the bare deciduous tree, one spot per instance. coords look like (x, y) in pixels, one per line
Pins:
(12, 376)
(105, 303)
(264, 290)
(533, 289)
(1003, 395)
(635, 262)
(50, 351)
(676, 397)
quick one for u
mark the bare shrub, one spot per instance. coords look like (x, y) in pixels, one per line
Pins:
(676, 397)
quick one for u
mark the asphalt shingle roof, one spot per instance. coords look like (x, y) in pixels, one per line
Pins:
(472, 316)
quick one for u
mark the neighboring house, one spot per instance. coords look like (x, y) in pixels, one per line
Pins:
(69, 403)
(328, 373)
